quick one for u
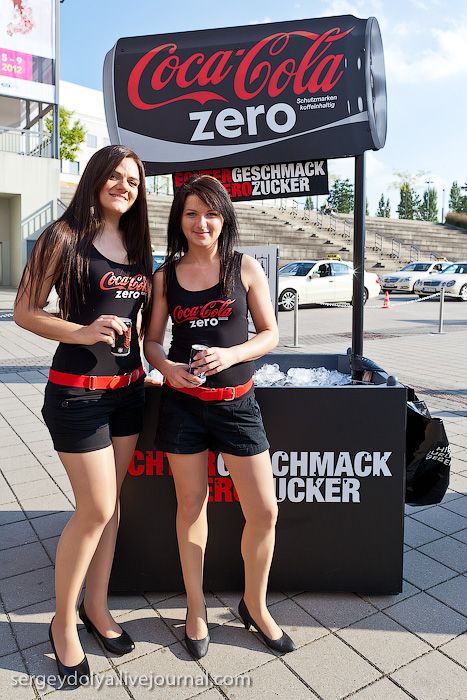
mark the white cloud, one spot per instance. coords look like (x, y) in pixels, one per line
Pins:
(444, 59)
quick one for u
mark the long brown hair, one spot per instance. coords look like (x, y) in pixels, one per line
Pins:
(68, 239)
(215, 196)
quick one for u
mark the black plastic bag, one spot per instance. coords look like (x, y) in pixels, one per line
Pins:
(428, 456)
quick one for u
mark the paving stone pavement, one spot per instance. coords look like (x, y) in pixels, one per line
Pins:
(411, 645)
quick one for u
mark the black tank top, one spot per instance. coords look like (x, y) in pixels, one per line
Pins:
(209, 318)
(114, 288)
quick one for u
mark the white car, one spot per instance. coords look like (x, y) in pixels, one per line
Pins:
(318, 281)
(404, 280)
(453, 279)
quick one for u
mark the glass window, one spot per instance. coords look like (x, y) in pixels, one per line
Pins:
(91, 140)
(416, 267)
(296, 269)
(324, 270)
(69, 167)
(340, 269)
(456, 269)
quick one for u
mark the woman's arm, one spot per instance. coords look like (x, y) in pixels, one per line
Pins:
(176, 372)
(33, 317)
(215, 360)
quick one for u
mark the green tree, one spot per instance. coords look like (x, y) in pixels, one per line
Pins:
(367, 209)
(309, 203)
(341, 196)
(428, 210)
(387, 211)
(381, 211)
(455, 197)
(463, 199)
(72, 135)
(408, 207)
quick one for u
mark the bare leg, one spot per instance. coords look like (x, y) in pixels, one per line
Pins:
(92, 477)
(191, 484)
(98, 574)
(254, 483)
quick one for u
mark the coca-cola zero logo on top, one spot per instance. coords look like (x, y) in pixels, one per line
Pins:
(208, 314)
(248, 95)
(253, 71)
(124, 286)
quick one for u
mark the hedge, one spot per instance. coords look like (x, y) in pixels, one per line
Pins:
(455, 218)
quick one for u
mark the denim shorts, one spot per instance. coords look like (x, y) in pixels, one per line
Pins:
(188, 425)
(84, 420)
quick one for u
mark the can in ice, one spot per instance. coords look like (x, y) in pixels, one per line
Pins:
(195, 349)
(121, 346)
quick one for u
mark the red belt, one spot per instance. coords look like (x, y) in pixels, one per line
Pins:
(224, 393)
(95, 382)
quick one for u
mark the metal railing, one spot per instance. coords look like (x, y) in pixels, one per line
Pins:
(347, 232)
(379, 239)
(26, 142)
(33, 225)
(306, 215)
(61, 207)
(395, 249)
(414, 253)
(294, 209)
(332, 222)
(319, 218)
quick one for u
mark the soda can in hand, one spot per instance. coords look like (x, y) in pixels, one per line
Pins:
(121, 346)
(195, 349)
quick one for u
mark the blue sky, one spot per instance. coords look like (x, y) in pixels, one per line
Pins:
(425, 46)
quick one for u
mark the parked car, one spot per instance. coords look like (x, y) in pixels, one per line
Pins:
(453, 279)
(318, 281)
(158, 258)
(404, 280)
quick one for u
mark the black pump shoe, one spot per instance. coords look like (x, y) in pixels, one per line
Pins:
(282, 645)
(116, 645)
(197, 647)
(72, 675)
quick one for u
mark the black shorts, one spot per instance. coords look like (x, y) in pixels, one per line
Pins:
(188, 425)
(84, 420)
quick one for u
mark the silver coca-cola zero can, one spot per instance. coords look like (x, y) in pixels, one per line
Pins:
(121, 346)
(195, 349)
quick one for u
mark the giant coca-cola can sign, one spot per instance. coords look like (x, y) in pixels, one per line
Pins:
(256, 94)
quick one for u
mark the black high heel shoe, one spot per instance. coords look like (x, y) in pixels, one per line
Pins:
(120, 645)
(282, 645)
(72, 675)
(197, 647)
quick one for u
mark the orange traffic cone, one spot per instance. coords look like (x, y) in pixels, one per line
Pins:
(386, 304)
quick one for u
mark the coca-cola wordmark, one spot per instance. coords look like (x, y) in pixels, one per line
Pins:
(257, 94)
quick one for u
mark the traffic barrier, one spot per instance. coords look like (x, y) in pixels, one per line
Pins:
(386, 303)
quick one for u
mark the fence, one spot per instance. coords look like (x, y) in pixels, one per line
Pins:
(26, 142)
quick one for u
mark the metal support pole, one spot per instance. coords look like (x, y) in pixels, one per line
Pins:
(358, 263)
(295, 322)
(441, 311)
(56, 106)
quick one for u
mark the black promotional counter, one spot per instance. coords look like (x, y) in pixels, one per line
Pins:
(338, 457)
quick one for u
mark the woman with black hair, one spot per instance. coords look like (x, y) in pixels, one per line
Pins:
(208, 288)
(98, 256)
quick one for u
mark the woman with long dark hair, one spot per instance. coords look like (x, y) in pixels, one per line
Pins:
(98, 257)
(208, 288)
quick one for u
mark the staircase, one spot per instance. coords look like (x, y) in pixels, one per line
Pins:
(390, 243)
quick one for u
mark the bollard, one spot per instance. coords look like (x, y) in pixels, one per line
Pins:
(441, 311)
(295, 322)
